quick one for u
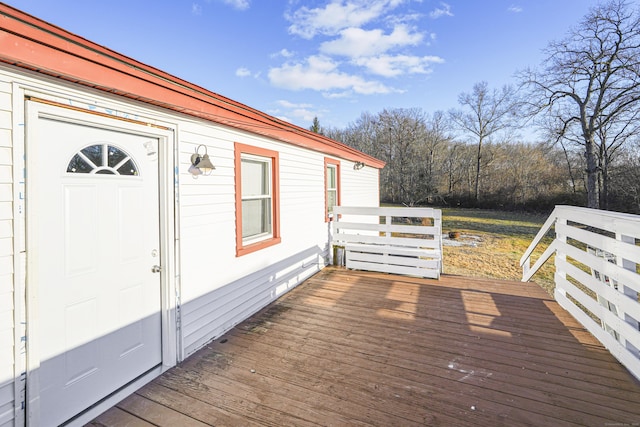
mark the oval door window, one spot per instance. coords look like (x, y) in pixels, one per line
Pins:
(102, 159)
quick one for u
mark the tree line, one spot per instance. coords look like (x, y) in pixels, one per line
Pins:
(584, 99)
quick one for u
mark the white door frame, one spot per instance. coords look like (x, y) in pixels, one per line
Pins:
(167, 188)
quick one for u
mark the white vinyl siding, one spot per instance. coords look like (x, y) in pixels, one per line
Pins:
(8, 366)
(224, 289)
(360, 187)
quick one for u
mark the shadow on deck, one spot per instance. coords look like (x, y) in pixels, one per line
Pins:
(359, 348)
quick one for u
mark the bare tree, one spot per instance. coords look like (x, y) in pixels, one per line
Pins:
(590, 83)
(457, 164)
(401, 132)
(625, 177)
(438, 127)
(361, 135)
(553, 131)
(610, 138)
(522, 172)
(485, 115)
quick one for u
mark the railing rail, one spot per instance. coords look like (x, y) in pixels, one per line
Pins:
(597, 280)
(525, 261)
(390, 240)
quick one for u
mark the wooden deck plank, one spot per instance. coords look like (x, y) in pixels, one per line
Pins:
(326, 393)
(116, 416)
(157, 413)
(179, 400)
(238, 398)
(457, 324)
(405, 364)
(301, 404)
(450, 313)
(468, 353)
(378, 384)
(361, 348)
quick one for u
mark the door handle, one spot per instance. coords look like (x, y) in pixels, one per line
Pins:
(156, 269)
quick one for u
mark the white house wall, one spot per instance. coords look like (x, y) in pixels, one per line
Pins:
(359, 187)
(215, 289)
(224, 289)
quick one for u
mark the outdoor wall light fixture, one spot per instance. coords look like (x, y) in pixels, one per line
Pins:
(358, 165)
(200, 163)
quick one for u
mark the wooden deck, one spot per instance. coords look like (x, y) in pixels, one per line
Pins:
(355, 348)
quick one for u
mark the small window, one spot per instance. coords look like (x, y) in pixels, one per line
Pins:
(257, 205)
(257, 200)
(103, 159)
(332, 186)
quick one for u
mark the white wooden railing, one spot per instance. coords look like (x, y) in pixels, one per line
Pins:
(596, 259)
(390, 240)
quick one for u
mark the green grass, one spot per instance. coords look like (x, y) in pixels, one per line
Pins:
(502, 238)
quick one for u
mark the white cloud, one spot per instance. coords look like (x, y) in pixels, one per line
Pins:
(353, 30)
(356, 42)
(337, 15)
(238, 4)
(302, 112)
(322, 74)
(196, 9)
(369, 49)
(337, 95)
(443, 10)
(243, 72)
(515, 9)
(288, 104)
(393, 66)
(285, 53)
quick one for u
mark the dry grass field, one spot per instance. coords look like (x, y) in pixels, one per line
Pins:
(491, 244)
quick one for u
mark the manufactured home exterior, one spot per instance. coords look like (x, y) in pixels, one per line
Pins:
(117, 258)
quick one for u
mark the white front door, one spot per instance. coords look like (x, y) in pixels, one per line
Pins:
(93, 241)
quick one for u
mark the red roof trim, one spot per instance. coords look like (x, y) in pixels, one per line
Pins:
(33, 44)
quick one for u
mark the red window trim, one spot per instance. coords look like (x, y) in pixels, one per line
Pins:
(241, 149)
(336, 163)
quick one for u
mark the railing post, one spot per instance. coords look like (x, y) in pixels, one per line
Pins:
(388, 222)
(526, 267)
(561, 257)
(631, 266)
(336, 252)
(437, 223)
(331, 256)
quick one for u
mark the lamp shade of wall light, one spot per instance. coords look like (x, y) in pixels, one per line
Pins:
(200, 163)
(358, 165)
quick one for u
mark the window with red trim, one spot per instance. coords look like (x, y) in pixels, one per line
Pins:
(331, 186)
(257, 198)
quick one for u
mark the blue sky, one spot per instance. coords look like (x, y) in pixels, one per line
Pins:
(334, 59)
